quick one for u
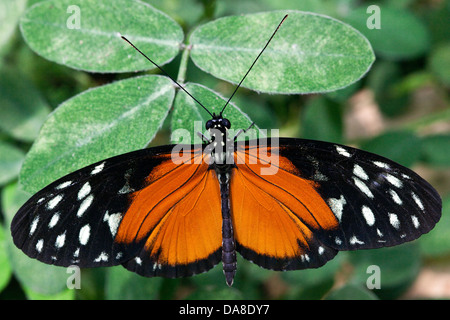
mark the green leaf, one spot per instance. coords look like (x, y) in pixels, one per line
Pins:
(11, 159)
(310, 52)
(401, 34)
(384, 79)
(22, 114)
(322, 120)
(439, 62)
(10, 12)
(400, 146)
(85, 34)
(32, 274)
(122, 284)
(5, 266)
(435, 150)
(313, 283)
(437, 242)
(214, 293)
(67, 294)
(351, 292)
(97, 124)
(398, 268)
(189, 117)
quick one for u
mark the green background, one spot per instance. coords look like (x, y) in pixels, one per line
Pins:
(62, 98)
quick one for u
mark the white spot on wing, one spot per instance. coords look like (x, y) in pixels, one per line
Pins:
(39, 245)
(362, 186)
(415, 221)
(33, 226)
(60, 240)
(393, 220)
(354, 240)
(343, 152)
(84, 235)
(394, 181)
(54, 220)
(113, 221)
(368, 215)
(417, 201)
(64, 185)
(54, 202)
(85, 205)
(337, 206)
(102, 257)
(84, 191)
(395, 197)
(381, 164)
(379, 233)
(360, 173)
(98, 168)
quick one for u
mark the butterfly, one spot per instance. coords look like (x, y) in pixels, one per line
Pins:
(179, 210)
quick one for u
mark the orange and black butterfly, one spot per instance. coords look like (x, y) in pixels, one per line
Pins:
(161, 217)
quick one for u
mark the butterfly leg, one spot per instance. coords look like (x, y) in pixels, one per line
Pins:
(243, 131)
(202, 136)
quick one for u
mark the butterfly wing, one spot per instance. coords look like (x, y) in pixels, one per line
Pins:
(138, 209)
(320, 198)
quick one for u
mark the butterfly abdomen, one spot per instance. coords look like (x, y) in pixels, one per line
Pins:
(228, 244)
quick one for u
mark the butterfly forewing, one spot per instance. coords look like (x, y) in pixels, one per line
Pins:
(75, 219)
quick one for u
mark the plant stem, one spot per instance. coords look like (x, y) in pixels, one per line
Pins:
(183, 64)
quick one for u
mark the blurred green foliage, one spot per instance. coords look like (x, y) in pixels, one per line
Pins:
(399, 109)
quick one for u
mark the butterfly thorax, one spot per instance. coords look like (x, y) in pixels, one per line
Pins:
(220, 145)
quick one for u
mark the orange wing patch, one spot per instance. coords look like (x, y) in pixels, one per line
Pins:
(177, 215)
(275, 215)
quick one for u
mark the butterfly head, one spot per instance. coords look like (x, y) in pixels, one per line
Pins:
(218, 126)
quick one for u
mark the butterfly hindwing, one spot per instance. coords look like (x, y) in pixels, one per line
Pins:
(276, 214)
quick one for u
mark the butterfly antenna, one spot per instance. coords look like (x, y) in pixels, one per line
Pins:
(273, 34)
(162, 70)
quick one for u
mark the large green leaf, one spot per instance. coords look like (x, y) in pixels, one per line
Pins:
(11, 159)
(125, 285)
(351, 292)
(322, 120)
(310, 52)
(437, 242)
(189, 118)
(439, 63)
(10, 11)
(50, 28)
(5, 266)
(435, 150)
(401, 35)
(97, 124)
(22, 114)
(397, 268)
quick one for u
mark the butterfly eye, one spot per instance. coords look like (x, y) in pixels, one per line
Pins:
(209, 124)
(226, 123)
